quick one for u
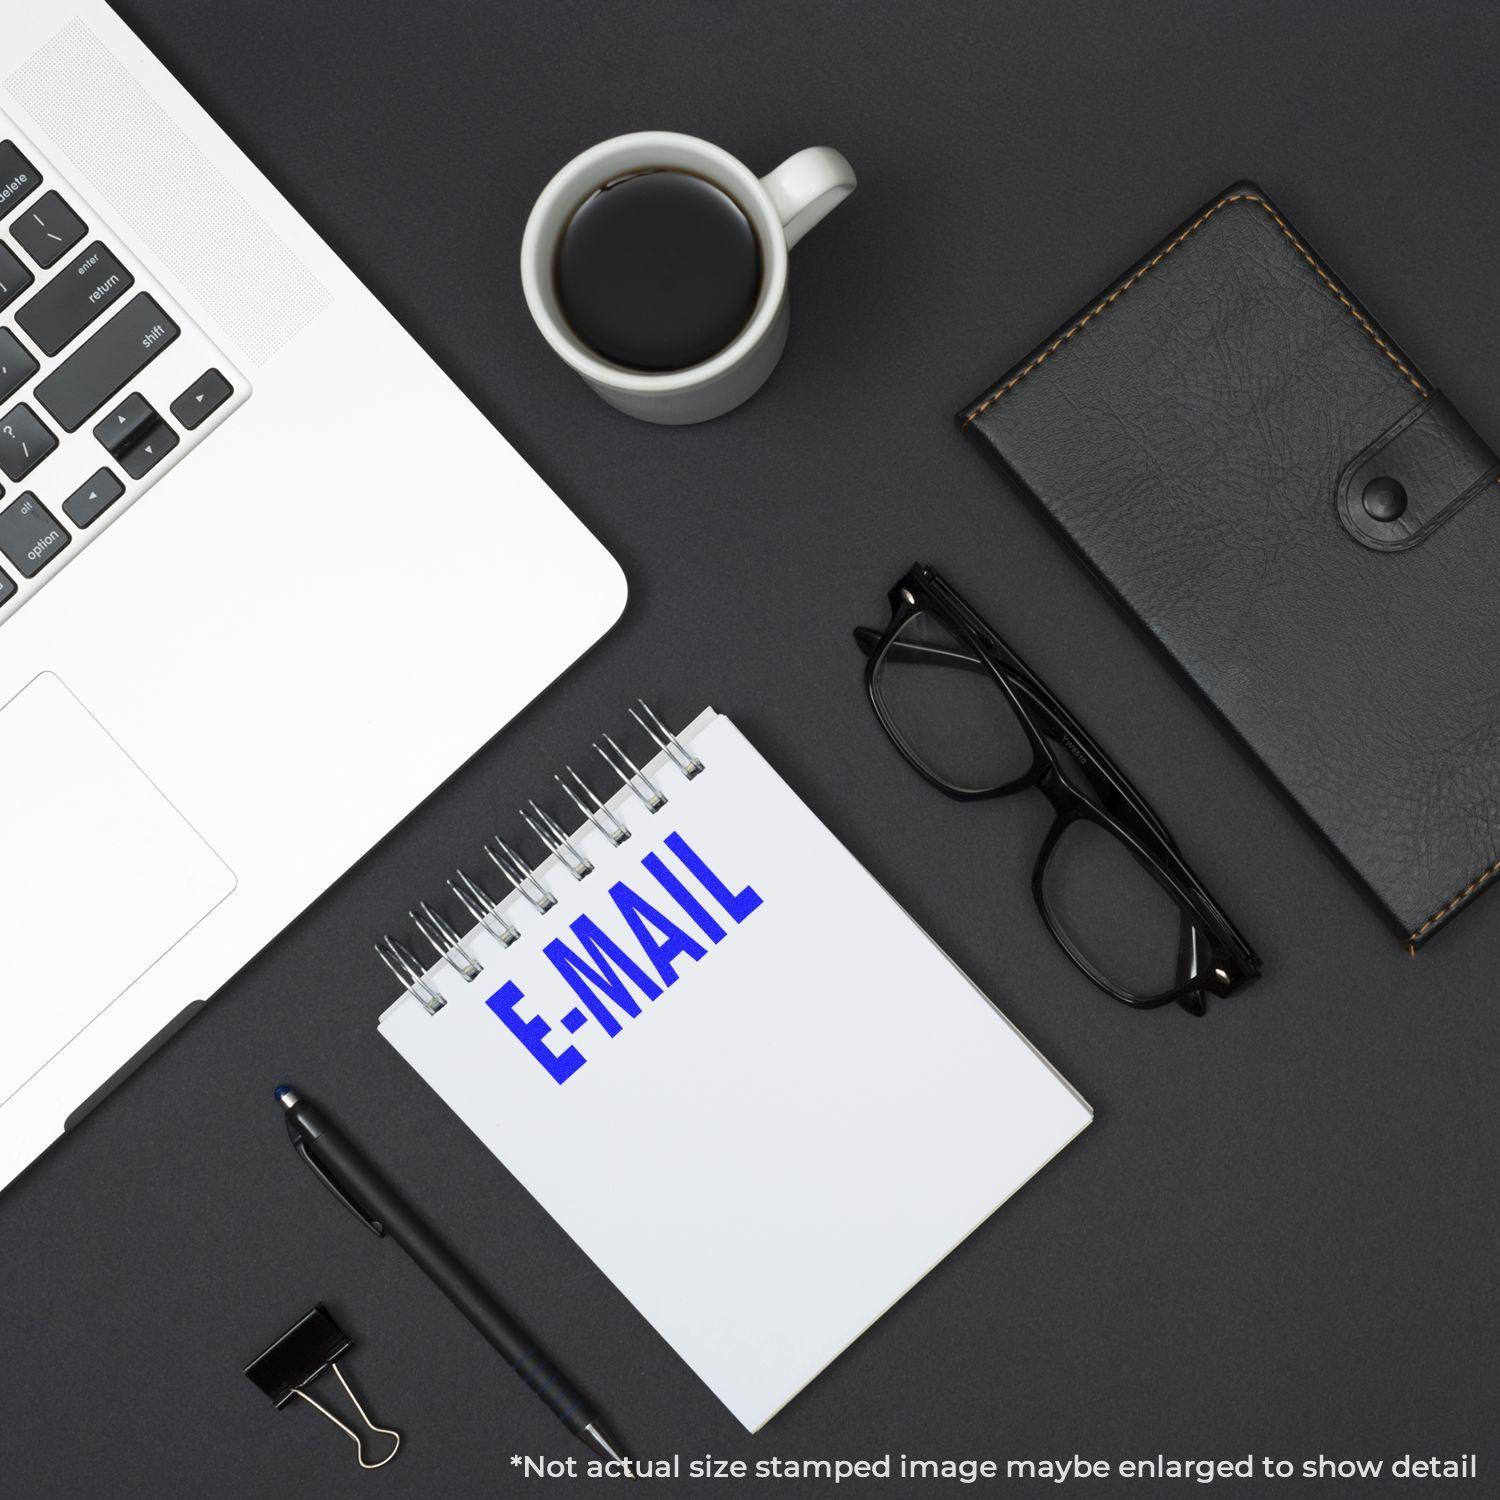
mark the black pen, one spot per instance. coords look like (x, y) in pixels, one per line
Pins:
(372, 1200)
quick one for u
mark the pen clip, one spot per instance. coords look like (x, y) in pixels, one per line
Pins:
(373, 1225)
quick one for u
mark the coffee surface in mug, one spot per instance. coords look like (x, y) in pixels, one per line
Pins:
(658, 270)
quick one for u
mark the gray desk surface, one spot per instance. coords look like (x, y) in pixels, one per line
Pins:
(1279, 1236)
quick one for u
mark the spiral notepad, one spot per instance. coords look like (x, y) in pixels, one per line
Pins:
(723, 1058)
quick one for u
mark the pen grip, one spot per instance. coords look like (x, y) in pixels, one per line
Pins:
(554, 1388)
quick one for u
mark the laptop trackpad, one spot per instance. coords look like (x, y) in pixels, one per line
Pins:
(99, 875)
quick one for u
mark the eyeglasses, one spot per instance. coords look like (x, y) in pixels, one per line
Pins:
(973, 719)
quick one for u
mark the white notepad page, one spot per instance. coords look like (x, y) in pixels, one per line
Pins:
(790, 1135)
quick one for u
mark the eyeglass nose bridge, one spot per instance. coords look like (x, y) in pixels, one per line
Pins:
(1053, 783)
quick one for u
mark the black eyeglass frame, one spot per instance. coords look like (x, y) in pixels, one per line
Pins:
(1105, 796)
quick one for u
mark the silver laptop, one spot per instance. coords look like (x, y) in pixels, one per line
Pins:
(266, 577)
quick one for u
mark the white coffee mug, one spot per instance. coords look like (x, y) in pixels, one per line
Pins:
(782, 207)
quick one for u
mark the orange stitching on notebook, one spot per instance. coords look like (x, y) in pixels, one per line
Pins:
(1160, 256)
(1443, 912)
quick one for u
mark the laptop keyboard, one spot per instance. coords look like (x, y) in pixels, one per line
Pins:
(105, 383)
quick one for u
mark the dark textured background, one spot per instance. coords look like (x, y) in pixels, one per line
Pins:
(1279, 1235)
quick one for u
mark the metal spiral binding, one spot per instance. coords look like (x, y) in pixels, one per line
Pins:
(481, 906)
(601, 817)
(519, 873)
(667, 742)
(404, 967)
(636, 779)
(445, 941)
(563, 847)
(558, 844)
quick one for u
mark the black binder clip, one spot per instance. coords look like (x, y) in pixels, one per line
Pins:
(311, 1346)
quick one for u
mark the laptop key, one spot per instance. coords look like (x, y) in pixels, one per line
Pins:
(92, 498)
(14, 277)
(29, 536)
(157, 443)
(100, 366)
(201, 399)
(121, 429)
(77, 295)
(16, 365)
(135, 436)
(48, 230)
(18, 178)
(25, 440)
(7, 586)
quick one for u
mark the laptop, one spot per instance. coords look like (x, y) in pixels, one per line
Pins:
(266, 576)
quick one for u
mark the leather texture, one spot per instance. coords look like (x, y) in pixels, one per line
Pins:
(1439, 461)
(1202, 433)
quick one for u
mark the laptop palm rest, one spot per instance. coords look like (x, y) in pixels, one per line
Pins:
(99, 875)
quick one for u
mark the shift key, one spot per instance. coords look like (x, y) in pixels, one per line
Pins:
(114, 355)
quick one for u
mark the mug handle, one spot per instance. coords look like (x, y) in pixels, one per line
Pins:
(807, 187)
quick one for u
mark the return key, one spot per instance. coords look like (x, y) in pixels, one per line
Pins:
(74, 297)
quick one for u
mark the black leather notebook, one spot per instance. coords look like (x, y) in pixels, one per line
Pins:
(1270, 485)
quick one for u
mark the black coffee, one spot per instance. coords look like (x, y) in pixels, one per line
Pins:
(658, 270)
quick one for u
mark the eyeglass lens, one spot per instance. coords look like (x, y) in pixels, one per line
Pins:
(955, 720)
(952, 715)
(1108, 906)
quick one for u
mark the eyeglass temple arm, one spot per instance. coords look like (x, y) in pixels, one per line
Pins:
(868, 639)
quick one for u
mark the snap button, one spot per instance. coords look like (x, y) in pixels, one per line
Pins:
(1384, 499)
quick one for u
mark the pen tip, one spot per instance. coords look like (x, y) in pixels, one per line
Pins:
(603, 1445)
(284, 1096)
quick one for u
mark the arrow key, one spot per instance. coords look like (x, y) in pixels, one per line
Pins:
(204, 396)
(92, 498)
(127, 423)
(135, 436)
(146, 454)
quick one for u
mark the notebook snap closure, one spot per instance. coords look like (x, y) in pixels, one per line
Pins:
(1384, 499)
(1415, 477)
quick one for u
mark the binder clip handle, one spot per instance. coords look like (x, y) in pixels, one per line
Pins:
(311, 1346)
